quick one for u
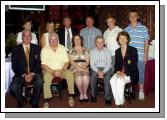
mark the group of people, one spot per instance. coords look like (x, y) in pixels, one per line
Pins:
(118, 57)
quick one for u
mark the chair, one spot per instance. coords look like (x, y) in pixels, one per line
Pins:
(100, 86)
(129, 92)
(56, 87)
(27, 90)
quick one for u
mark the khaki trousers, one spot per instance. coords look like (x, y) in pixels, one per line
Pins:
(67, 74)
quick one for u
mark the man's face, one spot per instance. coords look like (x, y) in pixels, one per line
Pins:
(89, 22)
(53, 41)
(27, 37)
(133, 17)
(67, 22)
(111, 22)
(100, 43)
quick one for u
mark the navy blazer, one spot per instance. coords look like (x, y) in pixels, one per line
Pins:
(130, 63)
(19, 64)
(61, 33)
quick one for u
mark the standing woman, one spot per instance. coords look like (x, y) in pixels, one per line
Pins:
(45, 37)
(79, 59)
(126, 69)
(27, 25)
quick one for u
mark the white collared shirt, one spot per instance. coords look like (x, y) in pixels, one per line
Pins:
(25, 46)
(110, 37)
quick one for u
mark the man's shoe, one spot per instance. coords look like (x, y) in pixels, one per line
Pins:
(46, 105)
(34, 105)
(108, 102)
(93, 99)
(141, 95)
(71, 101)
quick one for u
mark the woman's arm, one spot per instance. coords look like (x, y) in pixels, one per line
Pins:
(43, 41)
(73, 63)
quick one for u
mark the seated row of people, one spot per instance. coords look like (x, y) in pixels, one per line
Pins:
(27, 61)
(138, 33)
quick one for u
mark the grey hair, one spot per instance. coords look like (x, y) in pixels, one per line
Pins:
(26, 31)
(99, 37)
(53, 34)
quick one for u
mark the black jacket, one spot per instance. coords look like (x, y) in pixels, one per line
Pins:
(19, 63)
(129, 62)
(61, 33)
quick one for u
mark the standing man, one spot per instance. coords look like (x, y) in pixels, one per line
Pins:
(67, 33)
(54, 64)
(100, 63)
(139, 39)
(89, 33)
(26, 65)
(110, 36)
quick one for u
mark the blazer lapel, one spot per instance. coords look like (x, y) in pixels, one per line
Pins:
(24, 62)
(31, 55)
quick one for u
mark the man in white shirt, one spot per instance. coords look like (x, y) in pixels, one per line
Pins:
(110, 36)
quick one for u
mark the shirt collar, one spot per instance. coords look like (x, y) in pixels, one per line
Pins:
(26, 45)
(68, 29)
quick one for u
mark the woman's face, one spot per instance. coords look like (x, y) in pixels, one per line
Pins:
(50, 27)
(27, 26)
(77, 41)
(123, 40)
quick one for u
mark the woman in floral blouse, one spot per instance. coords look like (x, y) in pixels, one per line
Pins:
(79, 59)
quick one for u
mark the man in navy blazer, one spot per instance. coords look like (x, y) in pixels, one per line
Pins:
(26, 71)
(64, 31)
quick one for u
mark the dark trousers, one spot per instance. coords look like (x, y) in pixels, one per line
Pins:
(16, 88)
(107, 86)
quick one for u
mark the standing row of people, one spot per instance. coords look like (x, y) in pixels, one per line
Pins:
(84, 49)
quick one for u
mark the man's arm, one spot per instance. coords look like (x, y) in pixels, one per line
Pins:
(65, 66)
(92, 62)
(46, 68)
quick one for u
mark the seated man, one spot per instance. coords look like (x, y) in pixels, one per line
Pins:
(26, 65)
(100, 63)
(54, 64)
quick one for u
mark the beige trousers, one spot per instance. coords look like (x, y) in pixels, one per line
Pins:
(68, 75)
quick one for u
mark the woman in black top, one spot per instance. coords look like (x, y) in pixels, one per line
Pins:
(126, 69)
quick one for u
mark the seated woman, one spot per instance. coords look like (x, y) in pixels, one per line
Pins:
(79, 59)
(126, 69)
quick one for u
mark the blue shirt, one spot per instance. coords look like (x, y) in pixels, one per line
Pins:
(138, 36)
(100, 59)
(89, 35)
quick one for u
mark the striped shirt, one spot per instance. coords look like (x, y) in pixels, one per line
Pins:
(89, 35)
(138, 36)
(100, 58)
